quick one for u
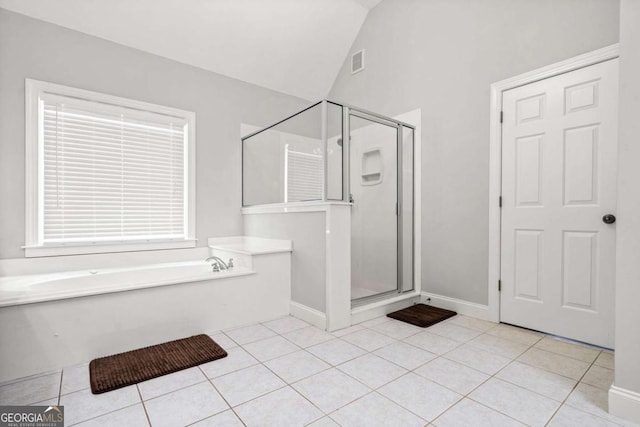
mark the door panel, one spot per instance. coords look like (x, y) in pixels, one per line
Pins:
(373, 180)
(559, 147)
(527, 265)
(529, 170)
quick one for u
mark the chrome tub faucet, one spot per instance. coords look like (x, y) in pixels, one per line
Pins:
(219, 264)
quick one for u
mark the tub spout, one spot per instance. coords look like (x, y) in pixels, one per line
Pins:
(219, 261)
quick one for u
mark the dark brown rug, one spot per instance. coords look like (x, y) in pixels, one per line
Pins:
(124, 369)
(422, 315)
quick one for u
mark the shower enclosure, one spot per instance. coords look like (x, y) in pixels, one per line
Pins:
(335, 153)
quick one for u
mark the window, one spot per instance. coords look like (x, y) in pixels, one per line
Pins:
(106, 174)
(303, 175)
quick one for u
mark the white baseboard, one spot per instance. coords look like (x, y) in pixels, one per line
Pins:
(380, 308)
(466, 308)
(308, 314)
(624, 404)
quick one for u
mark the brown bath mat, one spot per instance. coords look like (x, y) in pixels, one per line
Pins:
(422, 315)
(120, 370)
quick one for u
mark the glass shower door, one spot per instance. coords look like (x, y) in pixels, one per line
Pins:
(373, 183)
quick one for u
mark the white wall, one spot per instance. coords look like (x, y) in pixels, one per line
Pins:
(307, 230)
(34, 49)
(627, 337)
(441, 56)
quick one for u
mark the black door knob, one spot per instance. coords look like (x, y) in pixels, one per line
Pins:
(609, 219)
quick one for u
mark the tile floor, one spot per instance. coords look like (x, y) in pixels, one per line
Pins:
(461, 372)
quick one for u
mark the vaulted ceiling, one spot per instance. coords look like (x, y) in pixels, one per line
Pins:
(292, 46)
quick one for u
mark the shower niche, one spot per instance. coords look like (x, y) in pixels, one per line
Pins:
(372, 167)
(339, 182)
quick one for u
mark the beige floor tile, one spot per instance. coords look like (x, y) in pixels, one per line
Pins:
(250, 333)
(592, 400)
(296, 366)
(223, 419)
(372, 370)
(331, 389)
(344, 331)
(336, 351)
(432, 343)
(48, 402)
(324, 422)
(472, 323)
(396, 329)
(336, 373)
(306, 337)
(82, 405)
(374, 410)
(576, 351)
(75, 378)
(368, 339)
(237, 358)
(246, 384)
(478, 359)
(599, 376)
(538, 380)
(422, 397)
(185, 406)
(554, 362)
(223, 340)
(523, 405)
(513, 333)
(171, 382)
(454, 332)
(284, 407)
(375, 321)
(270, 348)
(605, 359)
(286, 324)
(571, 417)
(468, 413)
(131, 416)
(499, 346)
(32, 390)
(453, 375)
(405, 355)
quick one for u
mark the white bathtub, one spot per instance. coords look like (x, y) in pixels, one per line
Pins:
(49, 321)
(15, 290)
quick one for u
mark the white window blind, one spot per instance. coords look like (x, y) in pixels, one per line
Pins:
(304, 176)
(110, 173)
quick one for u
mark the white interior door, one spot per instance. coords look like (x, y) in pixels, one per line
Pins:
(559, 144)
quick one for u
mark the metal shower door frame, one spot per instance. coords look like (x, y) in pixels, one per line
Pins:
(349, 112)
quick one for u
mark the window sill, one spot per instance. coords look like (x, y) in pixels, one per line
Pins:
(45, 251)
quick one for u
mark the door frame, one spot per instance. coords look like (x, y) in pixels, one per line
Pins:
(495, 154)
(398, 126)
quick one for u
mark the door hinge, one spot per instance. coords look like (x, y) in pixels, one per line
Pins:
(500, 201)
(499, 285)
(501, 116)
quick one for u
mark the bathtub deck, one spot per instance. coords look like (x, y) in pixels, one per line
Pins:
(29, 289)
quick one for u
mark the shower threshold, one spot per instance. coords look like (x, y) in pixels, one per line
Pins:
(358, 300)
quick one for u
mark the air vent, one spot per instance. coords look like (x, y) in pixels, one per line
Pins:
(357, 61)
